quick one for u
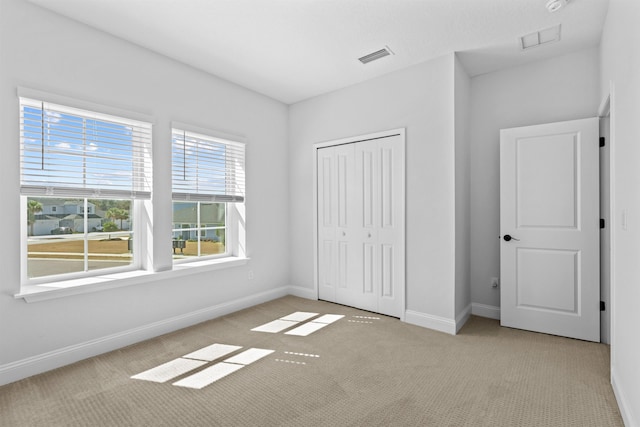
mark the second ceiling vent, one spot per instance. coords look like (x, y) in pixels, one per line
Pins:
(539, 38)
(376, 55)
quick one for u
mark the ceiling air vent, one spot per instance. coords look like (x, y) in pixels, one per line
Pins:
(548, 35)
(376, 55)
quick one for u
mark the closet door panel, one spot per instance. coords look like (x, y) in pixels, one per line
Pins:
(344, 161)
(327, 274)
(390, 236)
(349, 257)
(366, 169)
(366, 204)
(326, 190)
(326, 225)
(386, 270)
(387, 171)
(369, 266)
(343, 265)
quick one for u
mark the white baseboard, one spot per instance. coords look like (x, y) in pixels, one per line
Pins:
(623, 403)
(298, 291)
(462, 318)
(30, 366)
(483, 310)
(430, 321)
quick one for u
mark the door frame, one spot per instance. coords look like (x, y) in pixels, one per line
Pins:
(616, 220)
(606, 257)
(350, 140)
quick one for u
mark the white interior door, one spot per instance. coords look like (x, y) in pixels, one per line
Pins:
(549, 227)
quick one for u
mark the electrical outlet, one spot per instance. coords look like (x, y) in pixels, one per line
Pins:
(250, 275)
(495, 282)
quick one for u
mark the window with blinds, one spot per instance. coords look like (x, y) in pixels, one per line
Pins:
(207, 174)
(80, 173)
(76, 153)
(208, 169)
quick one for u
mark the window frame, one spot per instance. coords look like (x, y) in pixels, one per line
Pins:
(235, 244)
(199, 228)
(136, 204)
(136, 259)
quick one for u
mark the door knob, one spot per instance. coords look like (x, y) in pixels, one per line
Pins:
(508, 238)
(344, 234)
(368, 234)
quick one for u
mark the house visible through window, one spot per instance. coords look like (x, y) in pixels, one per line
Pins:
(82, 174)
(207, 175)
(202, 228)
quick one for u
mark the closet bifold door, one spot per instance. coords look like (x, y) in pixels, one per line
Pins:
(360, 202)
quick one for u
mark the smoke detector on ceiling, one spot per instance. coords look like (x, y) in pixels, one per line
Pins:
(554, 5)
(375, 55)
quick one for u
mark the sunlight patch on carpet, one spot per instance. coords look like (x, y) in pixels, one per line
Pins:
(169, 370)
(306, 329)
(208, 376)
(249, 356)
(285, 322)
(212, 352)
(299, 316)
(197, 359)
(328, 318)
(293, 319)
(275, 326)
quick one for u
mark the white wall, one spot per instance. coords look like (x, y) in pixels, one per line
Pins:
(561, 88)
(620, 67)
(44, 51)
(421, 99)
(462, 97)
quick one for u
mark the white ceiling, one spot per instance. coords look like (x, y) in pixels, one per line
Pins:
(292, 50)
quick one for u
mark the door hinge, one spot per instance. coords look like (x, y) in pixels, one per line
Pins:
(602, 306)
(602, 141)
(601, 222)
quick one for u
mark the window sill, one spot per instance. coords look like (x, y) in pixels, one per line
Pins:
(52, 290)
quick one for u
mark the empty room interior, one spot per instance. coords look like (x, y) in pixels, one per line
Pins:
(304, 212)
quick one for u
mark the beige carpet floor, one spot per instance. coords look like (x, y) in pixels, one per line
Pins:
(370, 372)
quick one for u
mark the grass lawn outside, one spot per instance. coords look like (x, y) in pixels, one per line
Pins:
(206, 248)
(107, 249)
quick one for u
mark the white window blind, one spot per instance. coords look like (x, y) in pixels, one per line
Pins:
(76, 153)
(205, 168)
